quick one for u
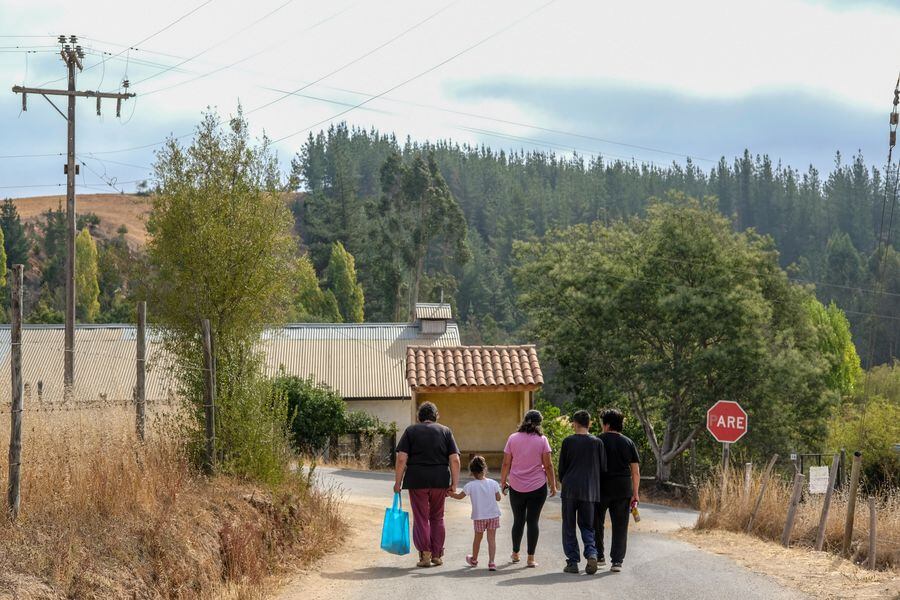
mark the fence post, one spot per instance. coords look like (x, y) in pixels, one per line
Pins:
(843, 474)
(140, 393)
(748, 477)
(792, 509)
(209, 397)
(762, 490)
(851, 503)
(826, 504)
(873, 524)
(16, 407)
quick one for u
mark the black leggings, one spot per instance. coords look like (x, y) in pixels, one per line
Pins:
(526, 508)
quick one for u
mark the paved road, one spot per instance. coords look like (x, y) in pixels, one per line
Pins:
(656, 566)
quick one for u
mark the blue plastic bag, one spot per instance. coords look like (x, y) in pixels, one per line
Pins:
(395, 531)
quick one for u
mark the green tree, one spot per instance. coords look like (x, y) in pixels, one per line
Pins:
(317, 413)
(15, 244)
(117, 267)
(222, 249)
(312, 304)
(87, 288)
(421, 210)
(340, 277)
(671, 313)
(53, 245)
(835, 342)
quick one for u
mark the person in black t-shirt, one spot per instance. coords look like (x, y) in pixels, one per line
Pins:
(619, 486)
(428, 467)
(581, 460)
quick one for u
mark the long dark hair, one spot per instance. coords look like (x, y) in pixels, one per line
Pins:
(532, 423)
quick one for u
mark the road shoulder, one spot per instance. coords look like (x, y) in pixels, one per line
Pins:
(818, 574)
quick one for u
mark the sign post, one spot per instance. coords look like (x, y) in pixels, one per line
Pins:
(727, 422)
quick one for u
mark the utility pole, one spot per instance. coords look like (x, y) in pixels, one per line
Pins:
(72, 55)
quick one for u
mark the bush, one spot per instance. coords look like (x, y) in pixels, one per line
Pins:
(557, 427)
(315, 413)
(358, 421)
(254, 441)
(873, 431)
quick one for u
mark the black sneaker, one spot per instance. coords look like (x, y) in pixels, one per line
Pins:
(571, 568)
(601, 562)
(591, 567)
(616, 567)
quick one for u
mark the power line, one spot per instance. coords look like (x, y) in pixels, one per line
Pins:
(357, 59)
(217, 44)
(253, 55)
(149, 37)
(422, 73)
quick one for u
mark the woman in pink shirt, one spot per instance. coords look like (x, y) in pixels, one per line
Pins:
(527, 470)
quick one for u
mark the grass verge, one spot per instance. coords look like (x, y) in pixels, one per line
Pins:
(729, 507)
(103, 516)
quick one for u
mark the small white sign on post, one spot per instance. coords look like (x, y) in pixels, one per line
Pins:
(818, 480)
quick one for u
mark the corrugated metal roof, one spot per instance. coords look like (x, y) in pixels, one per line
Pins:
(426, 310)
(358, 360)
(104, 363)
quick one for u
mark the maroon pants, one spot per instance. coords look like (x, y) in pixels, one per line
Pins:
(428, 519)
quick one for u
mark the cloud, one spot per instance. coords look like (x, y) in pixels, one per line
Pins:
(798, 127)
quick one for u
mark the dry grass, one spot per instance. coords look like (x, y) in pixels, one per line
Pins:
(731, 511)
(103, 516)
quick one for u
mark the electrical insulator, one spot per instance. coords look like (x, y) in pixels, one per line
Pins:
(893, 139)
(893, 118)
(62, 39)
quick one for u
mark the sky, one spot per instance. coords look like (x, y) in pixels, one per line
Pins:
(650, 81)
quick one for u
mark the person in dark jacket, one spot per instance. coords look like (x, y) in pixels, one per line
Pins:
(618, 487)
(581, 462)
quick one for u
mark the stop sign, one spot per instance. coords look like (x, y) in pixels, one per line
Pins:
(726, 421)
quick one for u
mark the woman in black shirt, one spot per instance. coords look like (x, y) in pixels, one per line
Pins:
(428, 467)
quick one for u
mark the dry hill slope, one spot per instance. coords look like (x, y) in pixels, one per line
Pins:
(114, 211)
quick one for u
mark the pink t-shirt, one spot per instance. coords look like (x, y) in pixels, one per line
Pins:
(526, 473)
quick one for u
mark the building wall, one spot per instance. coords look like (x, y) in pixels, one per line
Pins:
(389, 411)
(481, 421)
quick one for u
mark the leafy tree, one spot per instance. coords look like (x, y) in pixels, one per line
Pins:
(873, 428)
(311, 303)
(421, 210)
(834, 342)
(671, 313)
(317, 412)
(116, 267)
(340, 277)
(221, 248)
(87, 288)
(15, 243)
(53, 244)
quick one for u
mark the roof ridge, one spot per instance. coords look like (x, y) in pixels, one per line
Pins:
(476, 347)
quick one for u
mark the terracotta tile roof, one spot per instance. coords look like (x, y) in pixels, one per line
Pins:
(473, 367)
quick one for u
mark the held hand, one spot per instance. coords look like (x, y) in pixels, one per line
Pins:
(397, 487)
(635, 500)
(552, 492)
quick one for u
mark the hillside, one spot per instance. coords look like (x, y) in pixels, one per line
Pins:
(114, 211)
